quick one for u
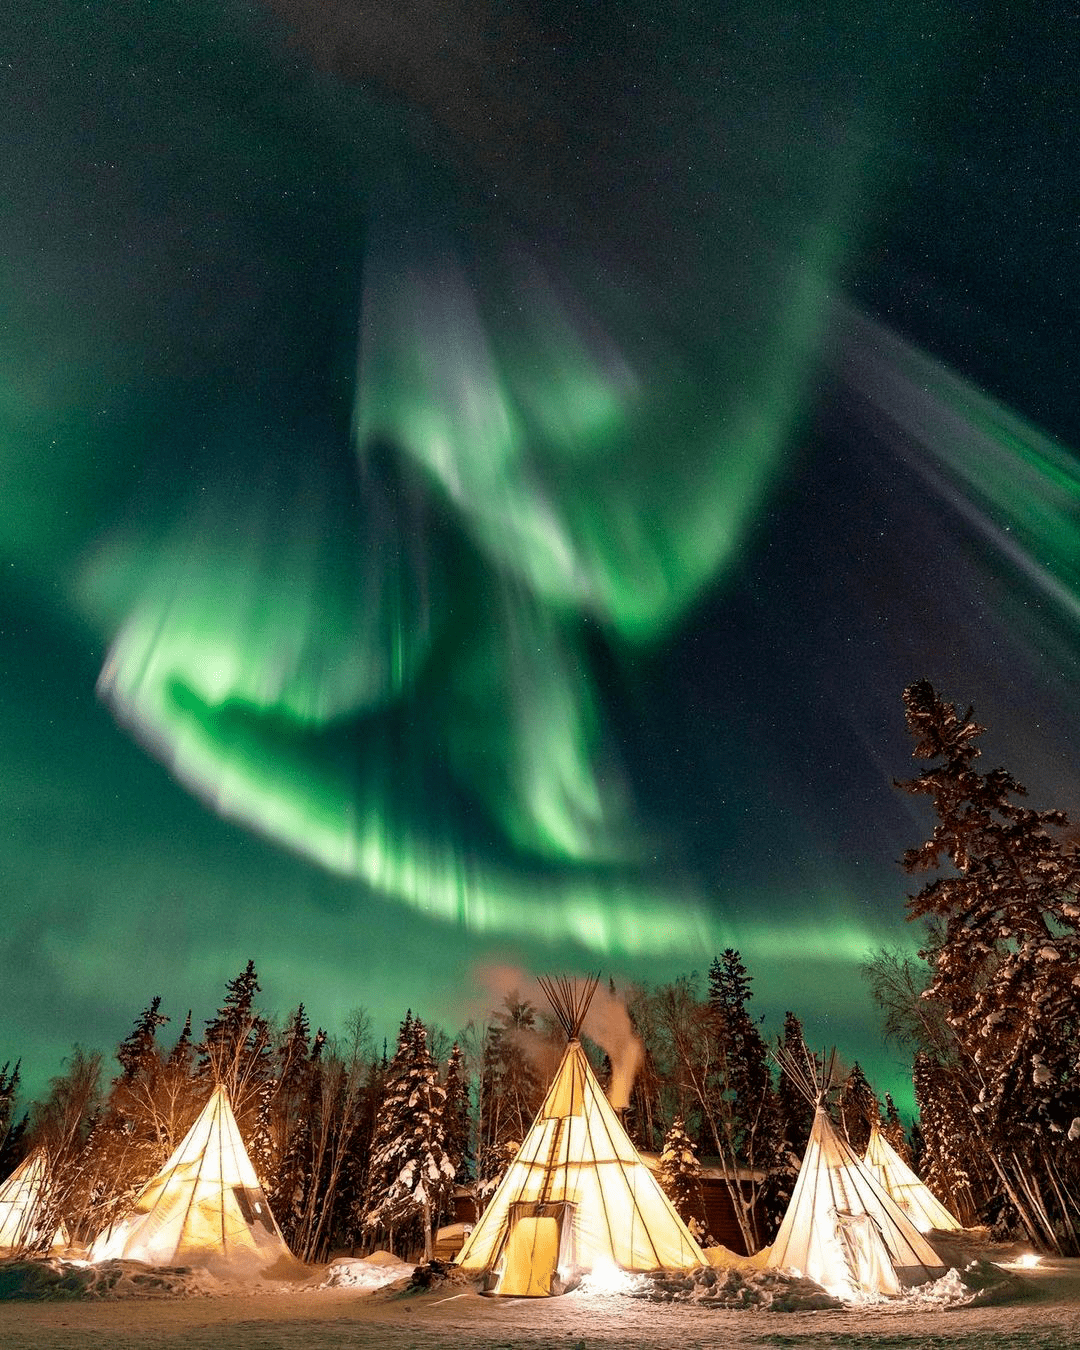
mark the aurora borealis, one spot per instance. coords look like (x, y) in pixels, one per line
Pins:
(475, 491)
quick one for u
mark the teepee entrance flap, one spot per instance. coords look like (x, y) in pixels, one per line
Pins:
(538, 1249)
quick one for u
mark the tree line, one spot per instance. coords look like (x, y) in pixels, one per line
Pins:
(358, 1148)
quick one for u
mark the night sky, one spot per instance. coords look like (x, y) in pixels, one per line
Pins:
(475, 480)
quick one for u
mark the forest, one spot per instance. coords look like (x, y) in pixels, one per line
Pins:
(359, 1146)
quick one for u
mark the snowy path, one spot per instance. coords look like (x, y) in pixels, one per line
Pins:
(1047, 1320)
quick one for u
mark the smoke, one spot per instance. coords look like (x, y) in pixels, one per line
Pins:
(607, 1023)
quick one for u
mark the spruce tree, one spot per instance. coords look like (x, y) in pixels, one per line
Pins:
(410, 1171)
(1004, 949)
(859, 1109)
(948, 1164)
(747, 1108)
(235, 1049)
(390, 1125)
(679, 1174)
(62, 1123)
(893, 1129)
(126, 1145)
(138, 1052)
(181, 1056)
(9, 1087)
(283, 1116)
(12, 1149)
(456, 1118)
(796, 1114)
(179, 1100)
(510, 1091)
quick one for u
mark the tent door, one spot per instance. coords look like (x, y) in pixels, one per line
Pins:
(538, 1242)
(253, 1207)
(866, 1254)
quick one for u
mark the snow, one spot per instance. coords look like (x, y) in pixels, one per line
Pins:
(365, 1272)
(1038, 1309)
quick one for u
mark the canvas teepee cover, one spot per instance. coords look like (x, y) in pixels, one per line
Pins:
(577, 1196)
(205, 1206)
(841, 1227)
(23, 1200)
(915, 1198)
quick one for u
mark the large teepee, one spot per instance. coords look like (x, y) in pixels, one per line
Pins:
(24, 1202)
(577, 1197)
(842, 1228)
(205, 1206)
(916, 1199)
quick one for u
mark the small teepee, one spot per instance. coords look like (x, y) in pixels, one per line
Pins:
(577, 1198)
(24, 1202)
(205, 1206)
(842, 1228)
(913, 1196)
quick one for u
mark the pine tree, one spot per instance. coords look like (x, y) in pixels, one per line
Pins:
(456, 1118)
(235, 1049)
(747, 1108)
(9, 1088)
(948, 1164)
(679, 1174)
(796, 1115)
(138, 1052)
(283, 1124)
(181, 1056)
(893, 1130)
(859, 1109)
(410, 1171)
(12, 1150)
(510, 1090)
(1004, 949)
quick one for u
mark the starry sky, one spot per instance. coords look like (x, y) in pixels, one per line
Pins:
(475, 480)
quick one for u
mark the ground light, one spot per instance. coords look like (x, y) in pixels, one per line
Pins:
(607, 1278)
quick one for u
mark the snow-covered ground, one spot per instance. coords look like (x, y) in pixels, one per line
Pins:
(1039, 1310)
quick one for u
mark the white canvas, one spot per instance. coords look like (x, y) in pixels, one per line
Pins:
(205, 1206)
(913, 1196)
(578, 1152)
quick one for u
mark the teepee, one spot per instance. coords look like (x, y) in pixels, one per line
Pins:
(842, 1228)
(577, 1197)
(205, 1206)
(24, 1203)
(916, 1199)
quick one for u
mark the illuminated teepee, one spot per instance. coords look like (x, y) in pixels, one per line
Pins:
(913, 1196)
(24, 1204)
(577, 1197)
(842, 1228)
(205, 1206)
